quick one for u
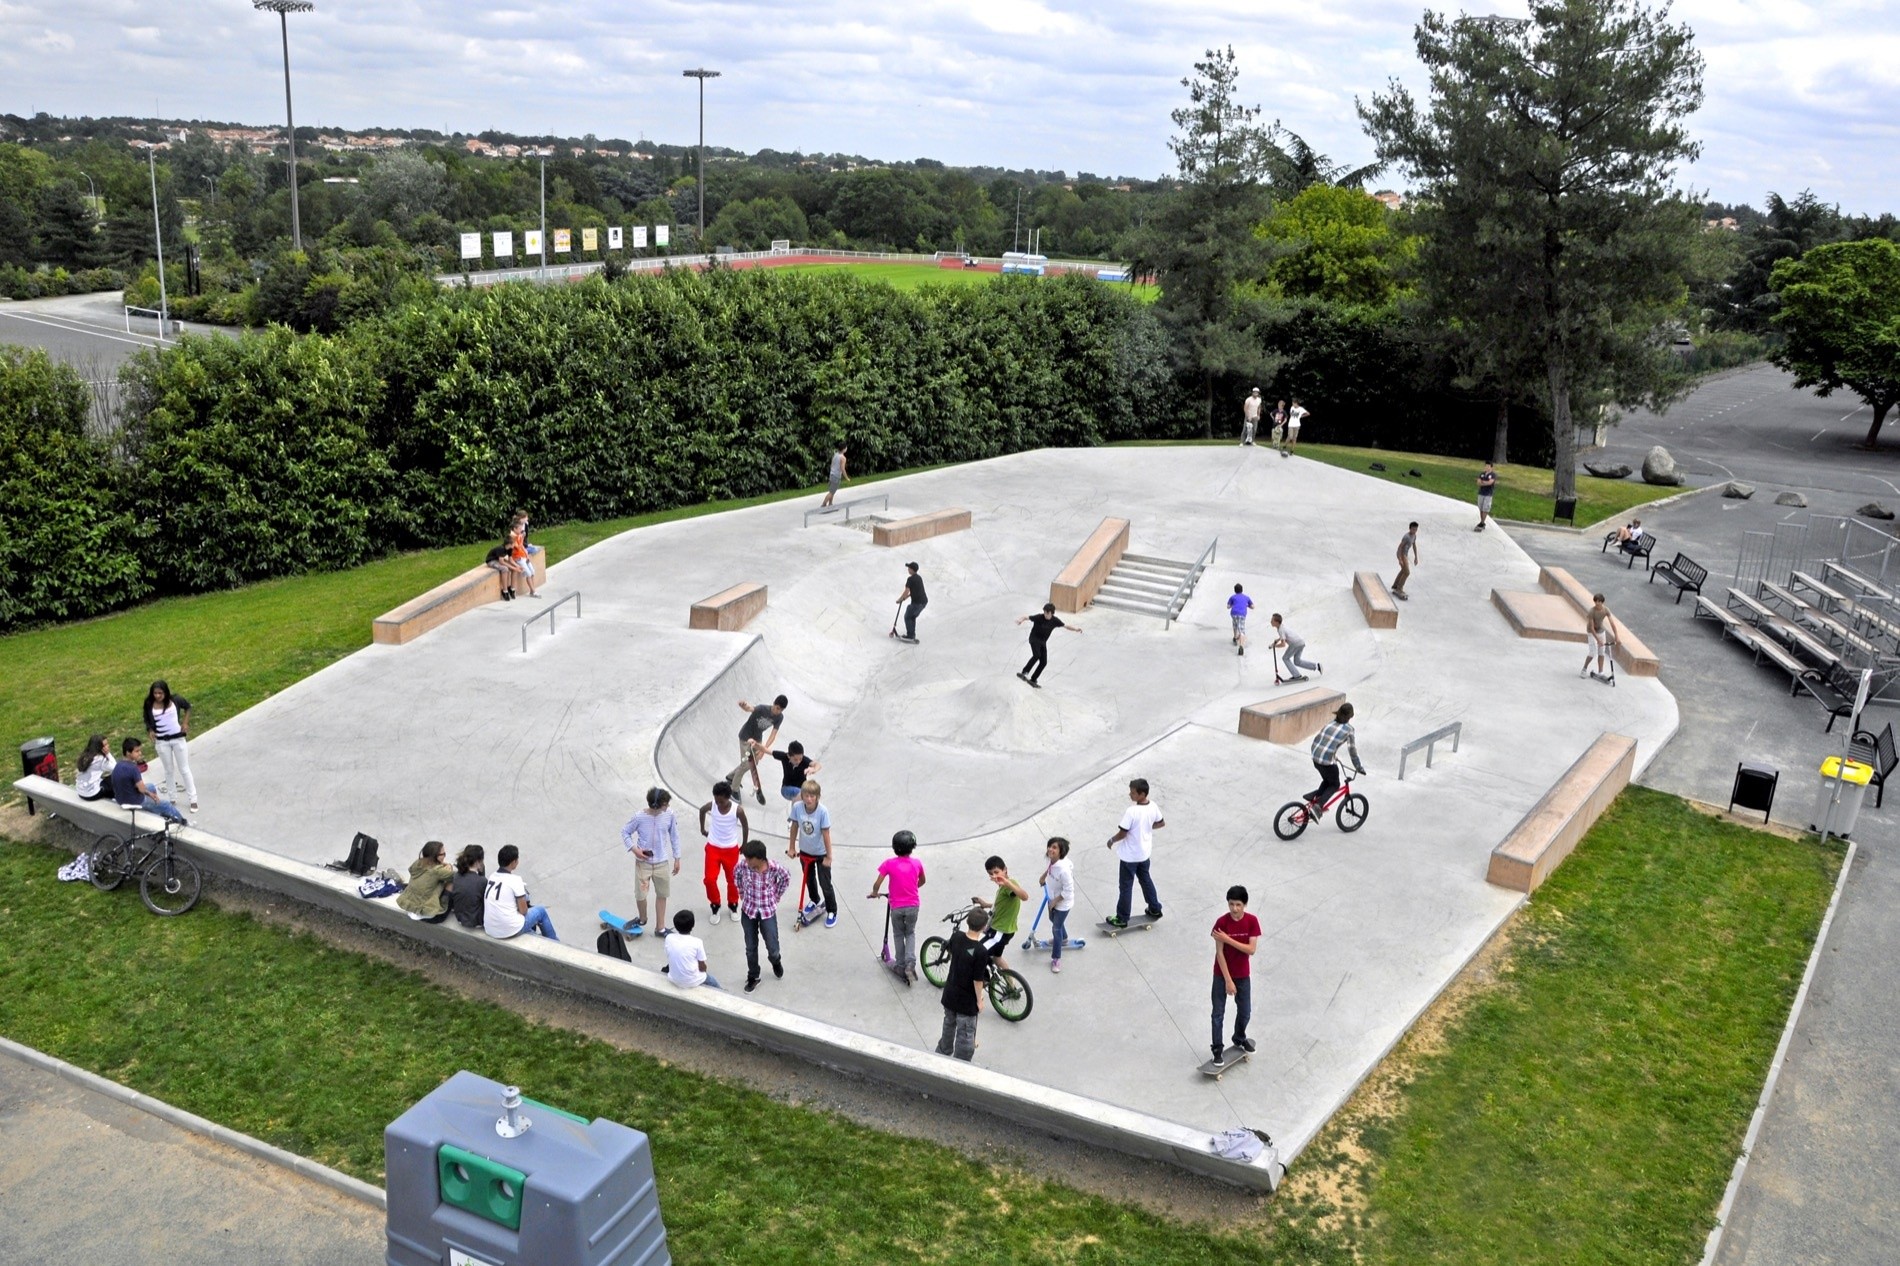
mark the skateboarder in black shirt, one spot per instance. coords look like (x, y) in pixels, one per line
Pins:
(913, 591)
(1040, 627)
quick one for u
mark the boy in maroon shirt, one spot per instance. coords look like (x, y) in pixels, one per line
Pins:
(1236, 935)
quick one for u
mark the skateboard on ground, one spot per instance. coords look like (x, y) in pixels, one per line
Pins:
(1136, 923)
(625, 927)
(1228, 1058)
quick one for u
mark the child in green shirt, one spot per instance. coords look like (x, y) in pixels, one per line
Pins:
(1004, 910)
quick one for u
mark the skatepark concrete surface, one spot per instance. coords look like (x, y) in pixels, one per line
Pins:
(462, 737)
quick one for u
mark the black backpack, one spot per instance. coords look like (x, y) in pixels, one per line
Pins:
(362, 858)
(613, 944)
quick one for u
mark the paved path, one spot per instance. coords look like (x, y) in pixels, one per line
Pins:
(1819, 1187)
(87, 1178)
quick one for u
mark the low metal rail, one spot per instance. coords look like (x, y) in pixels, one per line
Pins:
(1186, 587)
(883, 500)
(1453, 732)
(574, 598)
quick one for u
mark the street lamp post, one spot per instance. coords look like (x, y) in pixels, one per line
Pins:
(702, 75)
(93, 190)
(283, 9)
(158, 241)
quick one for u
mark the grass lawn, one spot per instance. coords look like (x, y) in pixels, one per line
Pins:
(916, 276)
(1523, 491)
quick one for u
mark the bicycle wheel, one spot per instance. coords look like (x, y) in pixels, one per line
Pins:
(1009, 994)
(1352, 812)
(109, 861)
(933, 956)
(170, 884)
(1292, 819)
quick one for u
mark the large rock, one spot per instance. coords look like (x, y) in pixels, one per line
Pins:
(1607, 471)
(1660, 468)
(1874, 510)
(1740, 491)
(1794, 499)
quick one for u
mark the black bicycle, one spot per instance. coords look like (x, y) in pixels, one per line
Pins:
(169, 882)
(1009, 992)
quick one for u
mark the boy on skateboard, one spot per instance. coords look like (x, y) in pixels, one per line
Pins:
(653, 837)
(755, 740)
(1408, 542)
(906, 876)
(1236, 935)
(1005, 911)
(762, 882)
(1134, 842)
(810, 843)
(1041, 626)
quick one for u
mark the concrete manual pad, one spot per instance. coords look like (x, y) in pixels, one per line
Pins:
(459, 736)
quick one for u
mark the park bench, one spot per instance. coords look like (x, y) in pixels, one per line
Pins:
(1375, 600)
(1076, 585)
(1836, 690)
(1546, 835)
(1864, 617)
(1683, 572)
(1878, 751)
(1753, 636)
(1848, 576)
(920, 527)
(729, 610)
(1640, 548)
(1291, 718)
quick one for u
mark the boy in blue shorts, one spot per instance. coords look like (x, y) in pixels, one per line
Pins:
(1237, 608)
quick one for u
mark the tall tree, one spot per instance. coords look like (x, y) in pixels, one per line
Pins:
(1545, 156)
(1840, 315)
(1200, 242)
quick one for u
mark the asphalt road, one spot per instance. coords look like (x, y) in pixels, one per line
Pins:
(85, 331)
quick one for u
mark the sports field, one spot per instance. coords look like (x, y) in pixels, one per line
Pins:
(909, 277)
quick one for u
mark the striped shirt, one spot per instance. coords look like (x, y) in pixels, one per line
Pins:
(760, 890)
(1327, 742)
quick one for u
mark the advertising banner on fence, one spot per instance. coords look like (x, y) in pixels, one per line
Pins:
(613, 238)
(660, 234)
(563, 241)
(590, 239)
(504, 246)
(639, 237)
(531, 242)
(471, 246)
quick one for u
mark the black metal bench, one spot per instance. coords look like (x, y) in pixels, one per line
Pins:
(1877, 750)
(1638, 548)
(1836, 688)
(1681, 571)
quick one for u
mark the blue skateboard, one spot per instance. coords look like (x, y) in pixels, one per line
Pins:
(622, 926)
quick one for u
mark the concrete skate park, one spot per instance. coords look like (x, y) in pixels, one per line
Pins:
(461, 735)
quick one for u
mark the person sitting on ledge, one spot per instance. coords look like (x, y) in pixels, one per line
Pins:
(468, 891)
(426, 897)
(130, 789)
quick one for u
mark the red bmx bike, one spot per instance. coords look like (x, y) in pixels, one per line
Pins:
(1295, 816)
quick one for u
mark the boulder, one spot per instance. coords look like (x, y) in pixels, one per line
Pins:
(1415, 473)
(1659, 468)
(1794, 499)
(1374, 466)
(1740, 491)
(1874, 510)
(1607, 471)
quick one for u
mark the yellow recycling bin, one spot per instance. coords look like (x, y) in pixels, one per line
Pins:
(1852, 777)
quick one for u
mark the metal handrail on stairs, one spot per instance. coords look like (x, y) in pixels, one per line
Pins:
(1189, 581)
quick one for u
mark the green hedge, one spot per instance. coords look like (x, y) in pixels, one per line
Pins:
(277, 453)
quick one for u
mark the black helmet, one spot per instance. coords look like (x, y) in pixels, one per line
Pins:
(904, 840)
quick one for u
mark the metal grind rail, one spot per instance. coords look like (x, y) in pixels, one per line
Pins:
(1188, 582)
(574, 598)
(883, 500)
(1454, 732)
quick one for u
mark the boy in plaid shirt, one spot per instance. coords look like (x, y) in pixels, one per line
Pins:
(1326, 745)
(762, 883)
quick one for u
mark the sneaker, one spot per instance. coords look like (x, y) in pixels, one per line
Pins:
(778, 968)
(1246, 1044)
(751, 983)
(1243, 650)
(1036, 684)
(1022, 676)
(194, 806)
(1585, 672)
(734, 912)
(1153, 914)
(1116, 921)
(636, 925)
(760, 793)
(1055, 964)
(808, 911)
(1319, 668)
(665, 932)
(831, 920)
(1218, 1052)
(715, 914)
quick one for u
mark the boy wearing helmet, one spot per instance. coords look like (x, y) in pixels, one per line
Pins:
(653, 837)
(906, 876)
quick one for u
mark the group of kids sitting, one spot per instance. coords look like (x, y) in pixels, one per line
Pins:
(511, 558)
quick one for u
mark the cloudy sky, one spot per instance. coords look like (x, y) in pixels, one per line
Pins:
(1799, 95)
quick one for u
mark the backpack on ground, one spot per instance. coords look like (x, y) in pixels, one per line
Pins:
(613, 944)
(362, 858)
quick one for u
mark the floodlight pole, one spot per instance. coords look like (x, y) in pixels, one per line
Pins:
(702, 75)
(543, 274)
(283, 9)
(158, 241)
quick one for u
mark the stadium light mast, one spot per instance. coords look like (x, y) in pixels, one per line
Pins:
(283, 9)
(702, 75)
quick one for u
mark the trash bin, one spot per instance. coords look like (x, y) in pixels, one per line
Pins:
(477, 1174)
(1852, 777)
(41, 757)
(1754, 788)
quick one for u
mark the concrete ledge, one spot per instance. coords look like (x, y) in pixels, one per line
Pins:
(729, 610)
(1375, 600)
(1633, 655)
(1543, 616)
(476, 587)
(1290, 718)
(570, 966)
(1541, 840)
(1076, 585)
(920, 527)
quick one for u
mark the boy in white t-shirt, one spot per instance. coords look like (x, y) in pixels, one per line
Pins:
(505, 908)
(686, 956)
(1134, 843)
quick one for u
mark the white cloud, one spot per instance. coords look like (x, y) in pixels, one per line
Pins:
(1798, 94)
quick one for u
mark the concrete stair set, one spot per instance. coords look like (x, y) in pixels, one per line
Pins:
(1147, 585)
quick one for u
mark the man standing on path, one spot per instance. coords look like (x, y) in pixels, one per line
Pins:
(1041, 626)
(963, 988)
(839, 474)
(1487, 484)
(1293, 648)
(1250, 417)
(755, 740)
(1237, 607)
(1408, 542)
(1600, 632)
(810, 842)
(653, 837)
(1294, 416)
(913, 592)
(1136, 840)
(762, 884)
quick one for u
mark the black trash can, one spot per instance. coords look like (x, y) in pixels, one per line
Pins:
(41, 757)
(1566, 510)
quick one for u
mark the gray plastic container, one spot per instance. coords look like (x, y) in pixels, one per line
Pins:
(562, 1192)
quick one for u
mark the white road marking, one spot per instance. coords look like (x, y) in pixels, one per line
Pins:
(136, 340)
(1818, 434)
